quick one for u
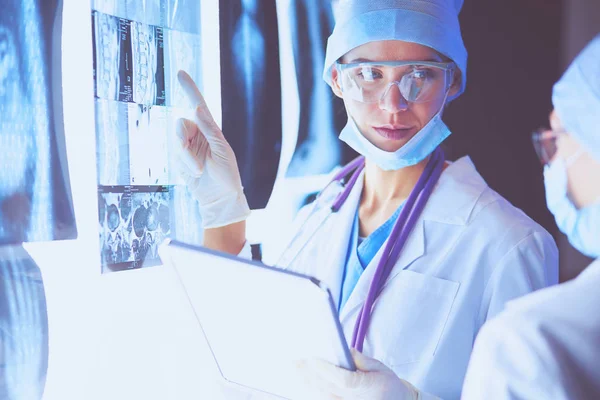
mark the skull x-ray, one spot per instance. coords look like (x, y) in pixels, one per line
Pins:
(139, 46)
(35, 197)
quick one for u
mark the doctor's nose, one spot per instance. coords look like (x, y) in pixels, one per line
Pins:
(392, 100)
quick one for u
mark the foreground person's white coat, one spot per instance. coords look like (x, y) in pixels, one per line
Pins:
(545, 346)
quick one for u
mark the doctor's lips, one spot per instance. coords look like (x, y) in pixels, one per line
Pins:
(395, 132)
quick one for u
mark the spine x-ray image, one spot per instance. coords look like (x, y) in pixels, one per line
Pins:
(139, 46)
(251, 90)
(128, 60)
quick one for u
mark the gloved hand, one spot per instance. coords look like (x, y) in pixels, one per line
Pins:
(372, 380)
(208, 165)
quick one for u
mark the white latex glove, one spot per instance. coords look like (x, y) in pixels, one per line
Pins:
(208, 165)
(372, 380)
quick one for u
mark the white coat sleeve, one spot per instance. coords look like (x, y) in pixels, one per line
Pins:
(279, 238)
(529, 265)
(508, 363)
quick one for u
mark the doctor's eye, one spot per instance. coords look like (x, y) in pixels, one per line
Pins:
(367, 74)
(422, 74)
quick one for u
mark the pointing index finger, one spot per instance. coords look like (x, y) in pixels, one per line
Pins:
(191, 89)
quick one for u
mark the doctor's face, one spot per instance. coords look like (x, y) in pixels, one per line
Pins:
(391, 122)
(583, 173)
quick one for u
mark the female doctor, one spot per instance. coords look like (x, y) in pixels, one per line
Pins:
(417, 252)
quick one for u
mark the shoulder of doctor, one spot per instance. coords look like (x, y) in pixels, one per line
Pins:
(514, 254)
(485, 210)
(521, 256)
(538, 346)
(509, 363)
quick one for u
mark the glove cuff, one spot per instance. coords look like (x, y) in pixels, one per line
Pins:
(416, 394)
(419, 395)
(226, 210)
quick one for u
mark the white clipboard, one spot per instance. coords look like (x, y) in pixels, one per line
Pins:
(258, 321)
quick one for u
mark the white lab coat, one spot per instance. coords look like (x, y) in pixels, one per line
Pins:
(543, 346)
(469, 253)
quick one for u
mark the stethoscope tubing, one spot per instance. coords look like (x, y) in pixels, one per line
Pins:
(402, 228)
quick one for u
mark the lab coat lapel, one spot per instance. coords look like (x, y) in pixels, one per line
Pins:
(335, 239)
(451, 202)
(413, 249)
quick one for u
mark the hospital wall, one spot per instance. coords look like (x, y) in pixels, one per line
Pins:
(132, 335)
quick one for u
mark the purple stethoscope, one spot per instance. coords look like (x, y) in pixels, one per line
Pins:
(332, 198)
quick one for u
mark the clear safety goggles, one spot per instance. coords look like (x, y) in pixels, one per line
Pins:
(418, 81)
(544, 143)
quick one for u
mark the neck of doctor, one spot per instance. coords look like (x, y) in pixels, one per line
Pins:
(382, 187)
(383, 192)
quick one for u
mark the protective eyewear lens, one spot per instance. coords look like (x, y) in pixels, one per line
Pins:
(418, 83)
(544, 143)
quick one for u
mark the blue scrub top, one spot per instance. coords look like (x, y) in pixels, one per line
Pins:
(360, 253)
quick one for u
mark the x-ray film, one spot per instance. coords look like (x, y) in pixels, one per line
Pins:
(150, 12)
(35, 196)
(112, 143)
(133, 221)
(148, 64)
(148, 130)
(128, 60)
(141, 198)
(132, 144)
(118, 8)
(180, 15)
(183, 53)
(183, 15)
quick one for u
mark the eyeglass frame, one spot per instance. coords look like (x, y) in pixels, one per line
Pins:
(541, 151)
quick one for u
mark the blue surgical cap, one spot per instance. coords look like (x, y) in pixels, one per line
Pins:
(576, 98)
(432, 23)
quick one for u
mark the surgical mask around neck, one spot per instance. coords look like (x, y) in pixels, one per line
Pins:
(414, 151)
(581, 226)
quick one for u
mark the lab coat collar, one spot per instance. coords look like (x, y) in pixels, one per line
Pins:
(452, 202)
(455, 195)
